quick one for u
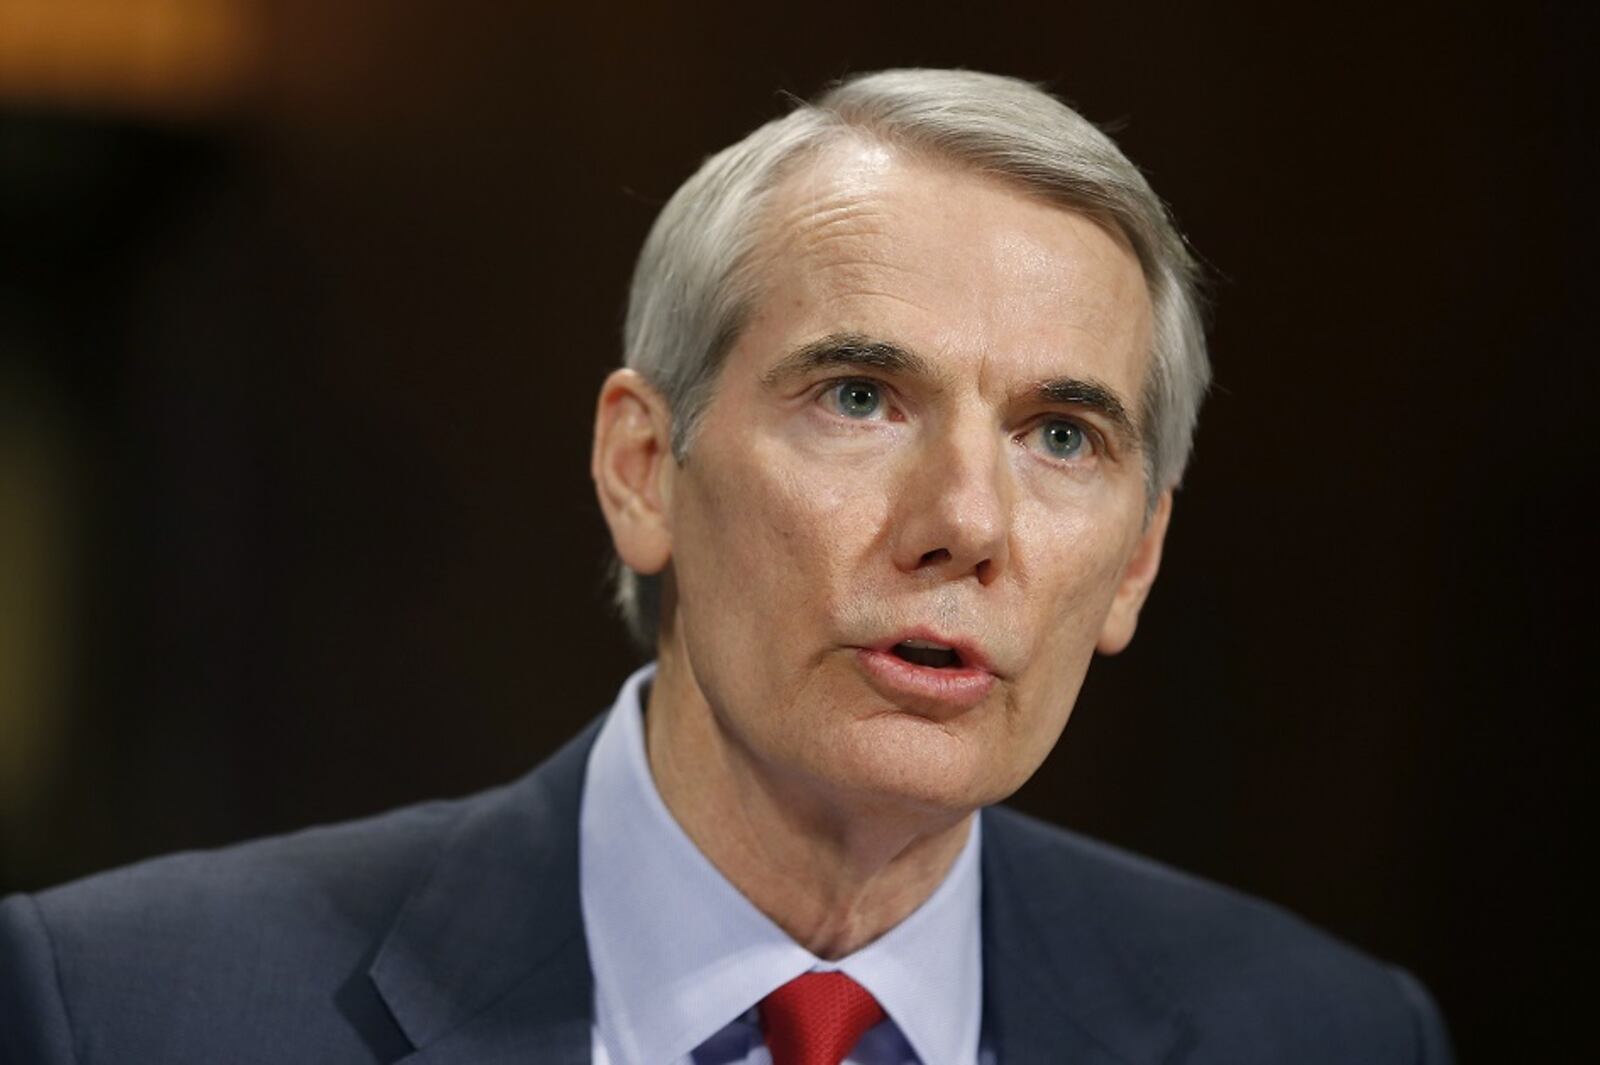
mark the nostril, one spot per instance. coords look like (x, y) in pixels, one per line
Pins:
(937, 555)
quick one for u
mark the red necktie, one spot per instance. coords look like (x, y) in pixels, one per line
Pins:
(816, 1018)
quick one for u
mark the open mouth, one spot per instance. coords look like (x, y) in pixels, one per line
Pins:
(927, 653)
(927, 678)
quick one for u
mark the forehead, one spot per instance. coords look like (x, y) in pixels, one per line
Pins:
(950, 263)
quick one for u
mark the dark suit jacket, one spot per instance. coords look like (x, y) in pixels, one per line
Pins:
(451, 933)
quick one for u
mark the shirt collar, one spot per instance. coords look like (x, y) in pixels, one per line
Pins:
(678, 952)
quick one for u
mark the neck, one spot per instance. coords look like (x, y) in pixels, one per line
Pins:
(834, 871)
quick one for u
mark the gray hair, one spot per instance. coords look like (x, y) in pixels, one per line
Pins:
(692, 292)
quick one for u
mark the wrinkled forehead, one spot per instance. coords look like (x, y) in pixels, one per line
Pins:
(855, 164)
(953, 259)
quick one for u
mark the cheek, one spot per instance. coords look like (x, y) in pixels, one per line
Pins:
(1070, 562)
(827, 513)
(785, 543)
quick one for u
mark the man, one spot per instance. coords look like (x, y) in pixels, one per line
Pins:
(911, 376)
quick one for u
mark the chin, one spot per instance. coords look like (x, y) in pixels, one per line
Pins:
(901, 759)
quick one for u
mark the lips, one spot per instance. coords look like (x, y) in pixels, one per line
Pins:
(925, 673)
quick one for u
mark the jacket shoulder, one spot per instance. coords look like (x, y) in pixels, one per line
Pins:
(1252, 980)
(150, 961)
(334, 874)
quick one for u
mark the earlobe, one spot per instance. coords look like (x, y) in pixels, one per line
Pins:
(1137, 577)
(632, 466)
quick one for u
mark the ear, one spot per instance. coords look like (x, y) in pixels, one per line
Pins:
(632, 465)
(1137, 577)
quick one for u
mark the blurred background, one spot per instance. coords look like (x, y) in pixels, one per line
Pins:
(303, 307)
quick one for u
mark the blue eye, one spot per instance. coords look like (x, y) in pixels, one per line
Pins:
(1064, 440)
(857, 399)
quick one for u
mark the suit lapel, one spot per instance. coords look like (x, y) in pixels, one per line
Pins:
(1056, 987)
(487, 962)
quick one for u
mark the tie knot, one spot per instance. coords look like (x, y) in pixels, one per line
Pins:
(816, 1018)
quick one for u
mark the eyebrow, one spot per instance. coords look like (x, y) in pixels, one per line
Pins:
(848, 349)
(858, 350)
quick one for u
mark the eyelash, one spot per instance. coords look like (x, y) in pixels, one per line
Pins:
(834, 387)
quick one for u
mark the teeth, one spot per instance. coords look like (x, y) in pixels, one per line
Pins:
(925, 645)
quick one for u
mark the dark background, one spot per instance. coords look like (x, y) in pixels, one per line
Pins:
(298, 359)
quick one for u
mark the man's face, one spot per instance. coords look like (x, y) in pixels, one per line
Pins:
(927, 433)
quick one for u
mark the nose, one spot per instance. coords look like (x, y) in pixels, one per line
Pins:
(953, 512)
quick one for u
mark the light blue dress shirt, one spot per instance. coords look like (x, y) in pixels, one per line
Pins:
(681, 958)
